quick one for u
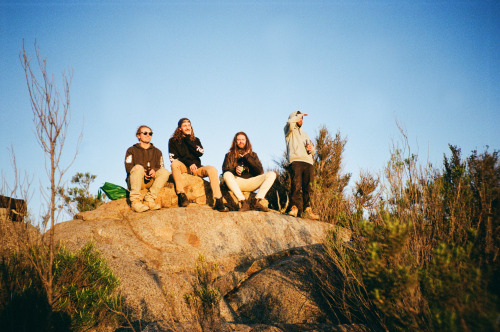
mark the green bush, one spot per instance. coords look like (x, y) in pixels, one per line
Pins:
(205, 297)
(79, 199)
(424, 248)
(84, 289)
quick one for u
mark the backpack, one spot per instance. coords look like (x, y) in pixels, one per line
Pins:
(113, 191)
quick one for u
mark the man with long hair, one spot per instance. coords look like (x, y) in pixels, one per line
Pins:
(243, 172)
(145, 170)
(185, 150)
(300, 152)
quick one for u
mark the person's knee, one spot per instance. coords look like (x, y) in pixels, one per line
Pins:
(162, 172)
(271, 175)
(228, 176)
(211, 170)
(137, 169)
(176, 165)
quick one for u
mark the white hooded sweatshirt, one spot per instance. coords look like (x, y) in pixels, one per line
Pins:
(296, 140)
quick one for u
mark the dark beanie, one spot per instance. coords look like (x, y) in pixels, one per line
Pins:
(181, 121)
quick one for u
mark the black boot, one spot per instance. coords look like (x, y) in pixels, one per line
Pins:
(182, 200)
(219, 205)
(245, 206)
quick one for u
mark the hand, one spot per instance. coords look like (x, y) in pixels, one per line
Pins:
(146, 175)
(310, 148)
(193, 168)
(239, 170)
(303, 114)
(152, 173)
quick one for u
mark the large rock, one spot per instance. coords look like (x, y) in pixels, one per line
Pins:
(154, 254)
(197, 190)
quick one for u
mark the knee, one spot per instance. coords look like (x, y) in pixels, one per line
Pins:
(137, 169)
(176, 165)
(211, 170)
(271, 175)
(228, 176)
(162, 172)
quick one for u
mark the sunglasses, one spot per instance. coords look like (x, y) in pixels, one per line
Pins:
(146, 133)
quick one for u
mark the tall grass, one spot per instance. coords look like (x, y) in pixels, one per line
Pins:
(425, 245)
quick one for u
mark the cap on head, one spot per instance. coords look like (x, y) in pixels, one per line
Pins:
(181, 121)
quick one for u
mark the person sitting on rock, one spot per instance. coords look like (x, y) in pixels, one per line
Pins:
(242, 171)
(185, 151)
(300, 152)
(145, 170)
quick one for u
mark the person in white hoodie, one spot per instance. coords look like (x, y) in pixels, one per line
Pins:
(300, 152)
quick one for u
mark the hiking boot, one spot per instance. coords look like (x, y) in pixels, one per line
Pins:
(245, 206)
(293, 211)
(138, 206)
(259, 205)
(308, 213)
(152, 205)
(182, 200)
(219, 205)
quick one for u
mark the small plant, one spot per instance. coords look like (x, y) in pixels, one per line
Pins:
(205, 298)
(79, 199)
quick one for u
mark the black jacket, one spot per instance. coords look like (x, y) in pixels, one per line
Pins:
(250, 161)
(186, 151)
(136, 155)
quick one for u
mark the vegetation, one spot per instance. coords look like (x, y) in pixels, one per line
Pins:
(79, 199)
(425, 242)
(205, 297)
(84, 291)
(43, 286)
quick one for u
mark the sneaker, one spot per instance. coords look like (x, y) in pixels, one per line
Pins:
(219, 205)
(152, 205)
(245, 206)
(182, 200)
(308, 213)
(259, 205)
(138, 206)
(293, 211)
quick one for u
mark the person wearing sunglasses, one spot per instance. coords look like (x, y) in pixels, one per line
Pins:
(242, 171)
(185, 150)
(145, 170)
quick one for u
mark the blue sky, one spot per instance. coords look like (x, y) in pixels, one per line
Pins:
(354, 66)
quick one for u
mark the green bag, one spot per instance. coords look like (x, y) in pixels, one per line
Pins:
(113, 191)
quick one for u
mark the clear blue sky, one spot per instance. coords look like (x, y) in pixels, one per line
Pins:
(354, 66)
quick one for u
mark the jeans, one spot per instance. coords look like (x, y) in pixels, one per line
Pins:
(178, 168)
(237, 184)
(136, 183)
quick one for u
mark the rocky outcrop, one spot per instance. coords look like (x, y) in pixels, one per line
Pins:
(197, 190)
(265, 260)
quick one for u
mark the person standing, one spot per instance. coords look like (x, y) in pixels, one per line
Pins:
(242, 171)
(300, 152)
(185, 150)
(145, 169)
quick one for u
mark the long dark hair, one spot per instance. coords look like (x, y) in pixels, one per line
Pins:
(233, 150)
(177, 135)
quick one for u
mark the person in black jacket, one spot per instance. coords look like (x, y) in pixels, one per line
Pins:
(144, 166)
(185, 151)
(243, 172)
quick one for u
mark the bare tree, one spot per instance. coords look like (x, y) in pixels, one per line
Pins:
(51, 116)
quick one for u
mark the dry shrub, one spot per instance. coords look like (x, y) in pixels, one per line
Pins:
(424, 251)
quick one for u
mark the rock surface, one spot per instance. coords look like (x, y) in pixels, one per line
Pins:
(265, 260)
